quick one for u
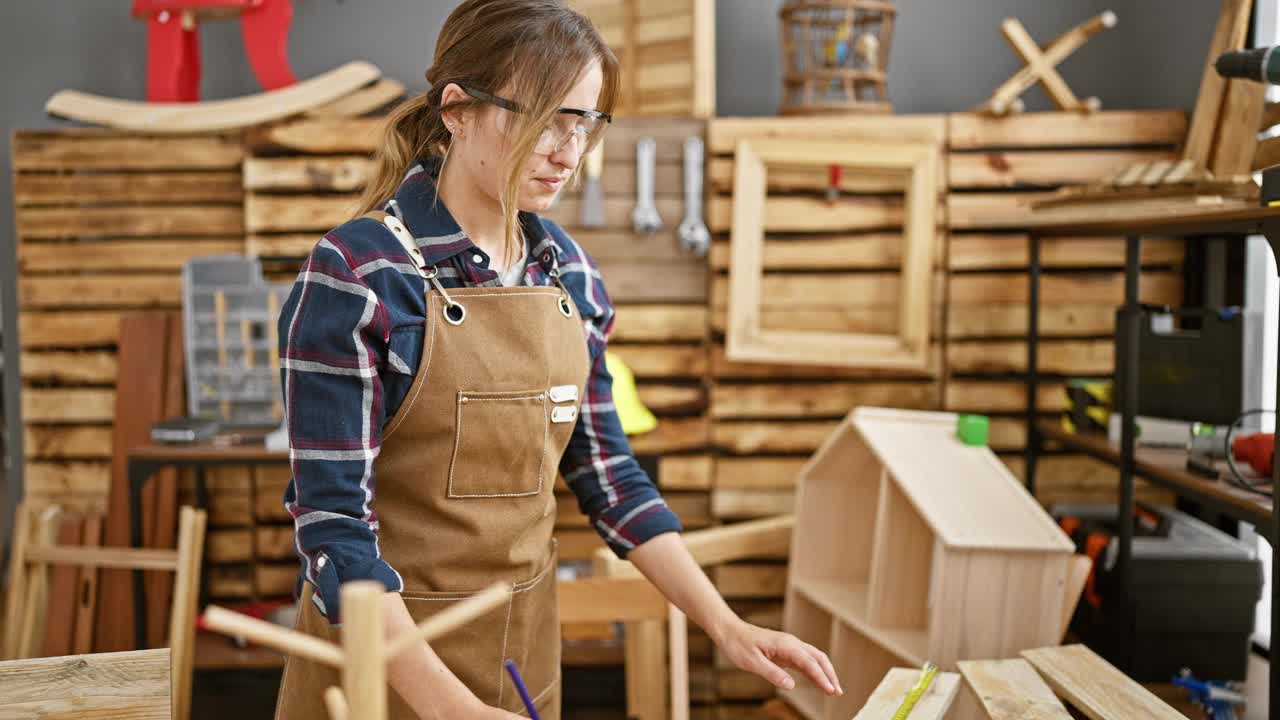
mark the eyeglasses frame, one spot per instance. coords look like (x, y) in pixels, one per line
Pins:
(515, 107)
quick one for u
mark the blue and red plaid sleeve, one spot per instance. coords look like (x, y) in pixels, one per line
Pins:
(334, 334)
(614, 492)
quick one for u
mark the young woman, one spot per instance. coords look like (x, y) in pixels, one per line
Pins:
(448, 353)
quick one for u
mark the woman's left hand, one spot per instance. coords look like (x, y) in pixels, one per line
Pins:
(767, 652)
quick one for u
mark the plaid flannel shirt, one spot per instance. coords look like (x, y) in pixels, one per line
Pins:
(350, 342)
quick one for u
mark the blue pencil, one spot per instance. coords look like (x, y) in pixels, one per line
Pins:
(520, 688)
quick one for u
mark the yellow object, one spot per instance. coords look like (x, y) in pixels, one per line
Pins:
(913, 696)
(636, 418)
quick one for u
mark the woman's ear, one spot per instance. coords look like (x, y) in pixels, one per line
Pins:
(454, 119)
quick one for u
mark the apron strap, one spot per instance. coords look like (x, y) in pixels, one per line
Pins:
(401, 233)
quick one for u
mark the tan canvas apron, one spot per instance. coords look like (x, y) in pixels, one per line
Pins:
(464, 487)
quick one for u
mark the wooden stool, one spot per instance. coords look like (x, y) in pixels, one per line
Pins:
(35, 549)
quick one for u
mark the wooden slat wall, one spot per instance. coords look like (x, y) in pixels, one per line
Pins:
(104, 222)
(667, 53)
(995, 167)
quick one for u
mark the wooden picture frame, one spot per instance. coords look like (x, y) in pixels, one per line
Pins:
(746, 340)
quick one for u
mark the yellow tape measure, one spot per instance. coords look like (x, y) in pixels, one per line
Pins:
(917, 690)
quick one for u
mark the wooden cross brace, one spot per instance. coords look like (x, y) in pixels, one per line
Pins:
(1041, 64)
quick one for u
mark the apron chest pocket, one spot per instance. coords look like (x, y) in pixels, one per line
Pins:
(499, 444)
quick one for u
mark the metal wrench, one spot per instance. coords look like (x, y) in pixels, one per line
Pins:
(645, 218)
(692, 231)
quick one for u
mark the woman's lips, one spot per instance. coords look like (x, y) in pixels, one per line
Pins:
(551, 184)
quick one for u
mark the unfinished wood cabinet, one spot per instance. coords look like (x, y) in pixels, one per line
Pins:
(911, 546)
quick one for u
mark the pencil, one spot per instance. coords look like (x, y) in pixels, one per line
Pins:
(520, 688)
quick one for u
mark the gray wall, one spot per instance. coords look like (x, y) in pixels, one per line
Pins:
(947, 56)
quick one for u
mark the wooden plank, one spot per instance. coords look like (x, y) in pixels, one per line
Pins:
(352, 136)
(724, 134)
(129, 221)
(797, 213)
(229, 582)
(274, 579)
(617, 212)
(1022, 168)
(758, 472)
(269, 483)
(1081, 479)
(1228, 34)
(669, 399)
(143, 345)
(888, 696)
(750, 580)
(770, 436)
(1095, 687)
(73, 442)
(659, 323)
(110, 188)
(1237, 138)
(60, 613)
(673, 434)
(87, 589)
(683, 280)
(834, 289)
(229, 545)
(159, 254)
(100, 149)
(985, 251)
(811, 179)
(364, 101)
(1161, 288)
(987, 396)
(816, 400)
(94, 328)
(91, 367)
(729, 504)
(868, 251)
(127, 686)
(610, 600)
(991, 210)
(296, 213)
(722, 368)
(1011, 690)
(274, 542)
(1064, 357)
(992, 321)
(96, 291)
(685, 472)
(54, 479)
(337, 173)
(975, 131)
(68, 405)
(663, 360)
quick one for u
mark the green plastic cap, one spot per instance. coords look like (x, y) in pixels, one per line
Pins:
(973, 429)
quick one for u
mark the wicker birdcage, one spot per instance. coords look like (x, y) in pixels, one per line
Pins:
(835, 56)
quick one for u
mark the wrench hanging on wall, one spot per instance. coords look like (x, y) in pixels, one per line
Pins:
(645, 218)
(693, 232)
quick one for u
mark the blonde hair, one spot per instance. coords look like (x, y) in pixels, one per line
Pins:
(530, 51)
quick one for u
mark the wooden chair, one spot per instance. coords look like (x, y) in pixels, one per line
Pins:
(631, 599)
(134, 684)
(35, 549)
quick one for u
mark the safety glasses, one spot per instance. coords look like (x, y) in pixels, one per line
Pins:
(583, 126)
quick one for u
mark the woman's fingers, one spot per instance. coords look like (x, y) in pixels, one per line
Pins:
(767, 669)
(827, 668)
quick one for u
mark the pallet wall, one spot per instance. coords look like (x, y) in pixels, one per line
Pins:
(996, 166)
(104, 222)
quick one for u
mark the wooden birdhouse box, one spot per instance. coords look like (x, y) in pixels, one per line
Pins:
(835, 56)
(910, 545)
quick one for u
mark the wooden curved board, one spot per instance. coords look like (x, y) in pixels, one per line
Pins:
(213, 115)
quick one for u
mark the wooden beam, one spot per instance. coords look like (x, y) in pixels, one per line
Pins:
(816, 400)
(611, 599)
(976, 131)
(1229, 34)
(1011, 690)
(118, 685)
(111, 150)
(1039, 168)
(1095, 687)
(888, 696)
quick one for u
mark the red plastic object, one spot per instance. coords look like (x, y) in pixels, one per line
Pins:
(173, 51)
(1258, 450)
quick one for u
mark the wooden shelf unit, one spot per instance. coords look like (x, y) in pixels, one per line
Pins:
(911, 546)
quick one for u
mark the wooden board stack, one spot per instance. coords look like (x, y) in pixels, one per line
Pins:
(667, 52)
(104, 222)
(997, 166)
(828, 267)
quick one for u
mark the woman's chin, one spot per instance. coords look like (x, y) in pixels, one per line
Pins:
(536, 202)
